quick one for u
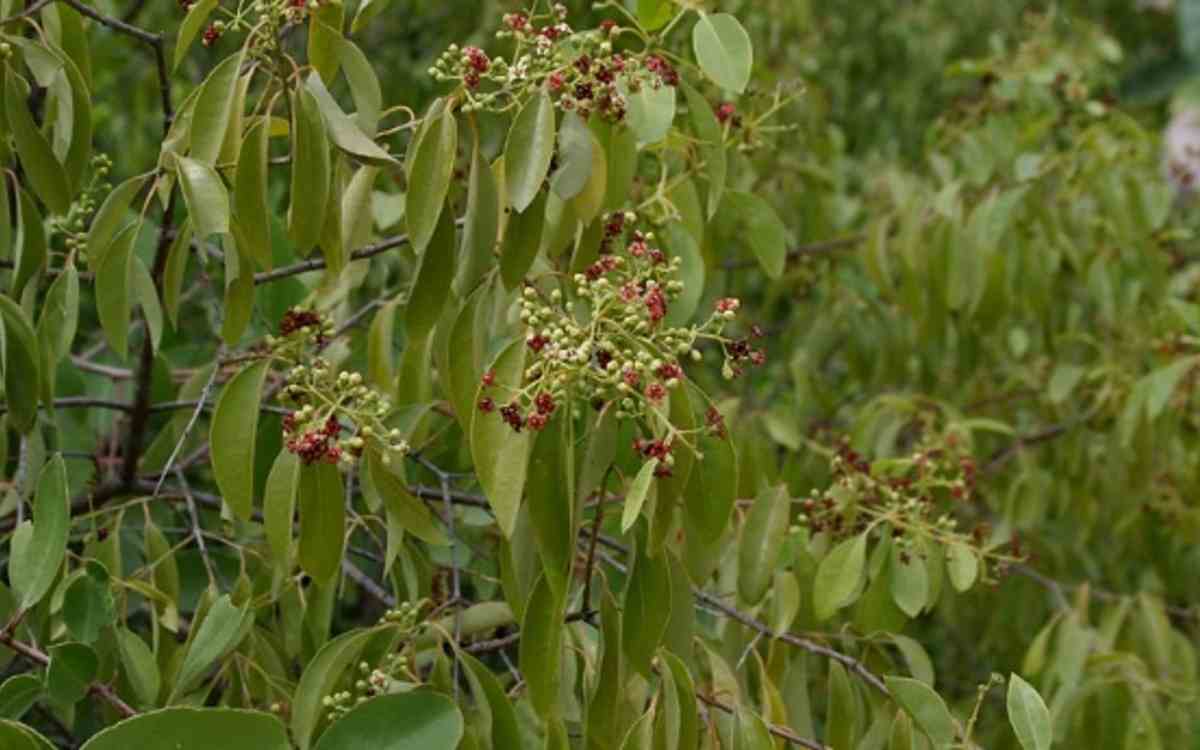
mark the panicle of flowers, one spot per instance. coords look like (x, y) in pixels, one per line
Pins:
(336, 416)
(393, 673)
(580, 70)
(606, 341)
(74, 225)
(912, 499)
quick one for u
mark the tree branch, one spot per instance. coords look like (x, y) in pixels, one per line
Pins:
(39, 657)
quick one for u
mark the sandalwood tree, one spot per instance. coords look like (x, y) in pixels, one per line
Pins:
(577, 386)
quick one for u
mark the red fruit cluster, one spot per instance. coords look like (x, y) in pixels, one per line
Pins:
(517, 21)
(605, 265)
(537, 342)
(659, 449)
(314, 445)
(656, 304)
(488, 379)
(669, 371)
(487, 405)
(728, 304)
(544, 404)
(656, 392)
(210, 36)
(663, 69)
(715, 422)
(511, 414)
(294, 320)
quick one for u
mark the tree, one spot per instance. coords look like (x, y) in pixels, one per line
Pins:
(591, 395)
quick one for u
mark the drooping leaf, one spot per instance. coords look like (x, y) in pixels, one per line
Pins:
(250, 207)
(343, 131)
(574, 157)
(529, 151)
(404, 509)
(36, 560)
(431, 285)
(724, 50)
(429, 171)
(501, 457)
(311, 171)
(839, 576)
(926, 708)
(647, 610)
(213, 109)
(279, 506)
(322, 504)
(762, 228)
(206, 197)
(232, 437)
(541, 648)
(42, 168)
(522, 240)
(193, 22)
(762, 541)
(481, 223)
(1028, 715)
(635, 498)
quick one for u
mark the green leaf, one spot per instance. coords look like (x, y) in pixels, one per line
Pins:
(232, 437)
(712, 145)
(324, 38)
(344, 131)
(72, 668)
(420, 719)
(88, 604)
(962, 565)
(1028, 715)
(364, 87)
(22, 367)
(762, 228)
(431, 284)
(841, 715)
(1161, 384)
(1188, 19)
(250, 207)
(926, 708)
(430, 173)
(522, 240)
(206, 197)
(529, 151)
(541, 648)
(193, 22)
(319, 679)
(110, 217)
(194, 729)
(216, 635)
(176, 270)
(712, 490)
(147, 297)
(279, 506)
(909, 583)
(647, 610)
(15, 736)
(214, 108)
(574, 157)
(311, 171)
(30, 244)
(43, 170)
(902, 733)
(35, 562)
(620, 148)
(481, 223)
(505, 732)
(114, 289)
(839, 577)
(650, 110)
(239, 289)
(635, 497)
(724, 50)
(654, 14)
(139, 665)
(762, 542)
(18, 694)
(551, 504)
(322, 521)
(367, 10)
(407, 511)
(57, 325)
(501, 457)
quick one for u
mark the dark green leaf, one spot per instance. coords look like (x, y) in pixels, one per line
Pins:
(232, 437)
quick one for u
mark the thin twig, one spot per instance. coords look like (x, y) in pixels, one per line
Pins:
(781, 732)
(195, 527)
(31, 10)
(187, 429)
(39, 657)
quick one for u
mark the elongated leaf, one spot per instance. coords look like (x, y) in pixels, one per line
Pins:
(762, 541)
(22, 367)
(279, 506)
(36, 561)
(926, 708)
(140, 668)
(522, 240)
(712, 489)
(839, 577)
(481, 223)
(57, 325)
(110, 217)
(541, 648)
(30, 245)
(501, 457)
(407, 511)
(44, 171)
(214, 108)
(250, 195)
(762, 228)
(319, 679)
(724, 50)
(343, 131)
(551, 504)
(232, 437)
(635, 497)
(504, 729)
(324, 37)
(206, 197)
(529, 151)
(420, 719)
(429, 174)
(114, 290)
(840, 717)
(574, 158)
(431, 287)
(177, 258)
(364, 86)
(647, 609)
(1028, 715)
(322, 504)
(311, 171)
(193, 22)
(216, 635)
(712, 148)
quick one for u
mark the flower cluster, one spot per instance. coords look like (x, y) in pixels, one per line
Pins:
(337, 416)
(910, 498)
(74, 225)
(391, 674)
(607, 342)
(580, 70)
